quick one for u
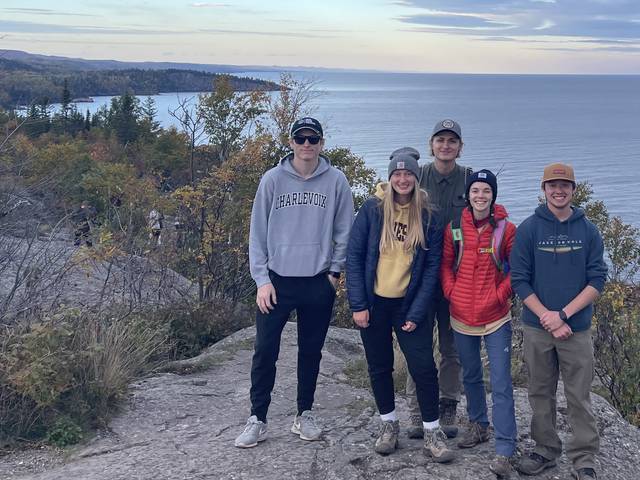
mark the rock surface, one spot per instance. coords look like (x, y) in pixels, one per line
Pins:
(182, 426)
(40, 274)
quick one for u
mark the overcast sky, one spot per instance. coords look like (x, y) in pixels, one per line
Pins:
(476, 36)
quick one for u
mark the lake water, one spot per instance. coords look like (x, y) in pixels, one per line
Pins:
(514, 124)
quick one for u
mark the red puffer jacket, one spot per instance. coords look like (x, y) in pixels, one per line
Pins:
(478, 292)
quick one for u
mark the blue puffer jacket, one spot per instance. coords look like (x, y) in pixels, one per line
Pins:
(363, 252)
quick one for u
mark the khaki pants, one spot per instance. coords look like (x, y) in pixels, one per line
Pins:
(546, 358)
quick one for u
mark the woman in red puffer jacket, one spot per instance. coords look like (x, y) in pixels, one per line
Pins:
(475, 280)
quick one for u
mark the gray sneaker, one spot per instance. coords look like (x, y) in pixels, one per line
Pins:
(435, 446)
(416, 429)
(305, 426)
(254, 431)
(387, 441)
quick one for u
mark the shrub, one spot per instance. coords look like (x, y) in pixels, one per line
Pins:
(617, 347)
(64, 432)
(617, 311)
(70, 369)
(191, 330)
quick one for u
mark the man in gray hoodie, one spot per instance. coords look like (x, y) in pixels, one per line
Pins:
(300, 223)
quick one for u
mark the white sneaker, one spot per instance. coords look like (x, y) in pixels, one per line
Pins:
(305, 426)
(254, 431)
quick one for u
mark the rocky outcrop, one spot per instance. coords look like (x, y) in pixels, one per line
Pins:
(41, 273)
(180, 424)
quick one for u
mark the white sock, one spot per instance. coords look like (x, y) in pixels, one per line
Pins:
(392, 416)
(431, 425)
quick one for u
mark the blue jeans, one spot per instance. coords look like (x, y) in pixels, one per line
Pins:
(498, 346)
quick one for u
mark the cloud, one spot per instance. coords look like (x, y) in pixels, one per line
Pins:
(596, 19)
(210, 5)
(440, 20)
(305, 34)
(545, 25)
(11, 26)
(45, 11)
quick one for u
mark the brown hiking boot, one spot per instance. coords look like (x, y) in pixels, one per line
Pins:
(435, 446)
(448, 410)
(475, 435)
(416, 429)
(502, 467)
(387, 441)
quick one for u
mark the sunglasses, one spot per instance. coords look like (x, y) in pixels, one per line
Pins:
(313, 139)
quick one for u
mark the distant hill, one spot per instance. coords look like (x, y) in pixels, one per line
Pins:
(26, 78)
(67, 63)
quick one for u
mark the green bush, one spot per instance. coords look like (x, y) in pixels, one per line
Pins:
(70, 370)
(617, 348)
(64, 432)
(191, 330)
(617, 311)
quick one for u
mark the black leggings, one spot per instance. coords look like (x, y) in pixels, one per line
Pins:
(417, 347)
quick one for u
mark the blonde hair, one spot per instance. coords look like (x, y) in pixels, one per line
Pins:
(415, 233)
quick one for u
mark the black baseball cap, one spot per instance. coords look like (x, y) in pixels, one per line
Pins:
(306, 122)
(447, 125)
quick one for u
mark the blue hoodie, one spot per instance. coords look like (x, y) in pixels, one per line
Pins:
(556, 261)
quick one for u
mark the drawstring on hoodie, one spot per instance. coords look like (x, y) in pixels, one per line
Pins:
(573, 261)
(555, 241)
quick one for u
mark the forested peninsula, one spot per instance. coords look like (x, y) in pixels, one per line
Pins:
(30, 80)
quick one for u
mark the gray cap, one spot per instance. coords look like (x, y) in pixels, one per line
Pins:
(404, 159)
(447, 125)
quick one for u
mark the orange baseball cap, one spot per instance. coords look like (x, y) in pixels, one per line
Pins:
(558, 171)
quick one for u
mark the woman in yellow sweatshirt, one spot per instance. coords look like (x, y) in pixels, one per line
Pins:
(393, 261)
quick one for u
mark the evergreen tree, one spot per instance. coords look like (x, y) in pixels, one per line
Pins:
(123, 118)
(65, 101)
(148, 113)
(87, 121)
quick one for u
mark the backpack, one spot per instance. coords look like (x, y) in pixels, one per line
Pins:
(496, 250)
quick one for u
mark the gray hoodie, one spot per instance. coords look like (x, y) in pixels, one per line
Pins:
(300, 227)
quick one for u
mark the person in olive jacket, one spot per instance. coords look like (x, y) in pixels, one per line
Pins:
(393, 260)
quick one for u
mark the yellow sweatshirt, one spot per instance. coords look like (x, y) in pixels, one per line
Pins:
(394, 265)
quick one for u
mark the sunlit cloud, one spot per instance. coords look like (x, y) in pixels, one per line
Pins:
(44, 11)
(261, 33)
(10, 26)
(545, 25)
(209, 5)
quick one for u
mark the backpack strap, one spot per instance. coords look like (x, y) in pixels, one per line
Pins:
(458, 242)
(497, 254)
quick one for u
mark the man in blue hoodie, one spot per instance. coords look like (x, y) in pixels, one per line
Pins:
(558, 270)
(300, 222)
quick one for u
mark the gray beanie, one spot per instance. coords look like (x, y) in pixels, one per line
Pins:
(405, 158)
(408, 150)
